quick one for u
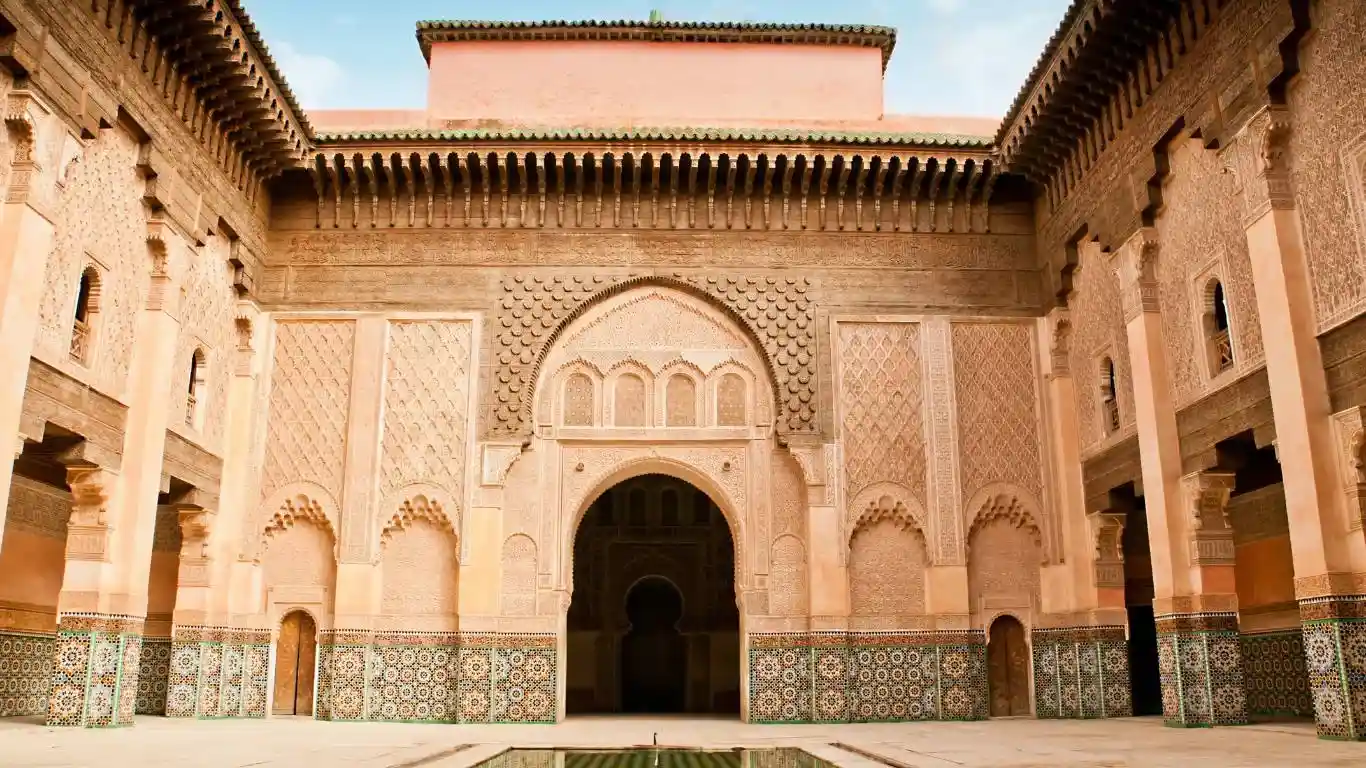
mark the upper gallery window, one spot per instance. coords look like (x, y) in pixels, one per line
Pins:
(1218, 338)
(194, 396)
(1109, 400)
(87, 307)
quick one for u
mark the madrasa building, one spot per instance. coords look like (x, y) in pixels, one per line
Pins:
(652, 366)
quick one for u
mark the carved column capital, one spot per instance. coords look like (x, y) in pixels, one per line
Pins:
(1107, 532)
(1060, 341)
(1136, 266)
(1349, 428)
(196, 524)
(1259, 158)
(1206, 497)
(88, 530)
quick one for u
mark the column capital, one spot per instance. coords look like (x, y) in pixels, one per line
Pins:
(1107, 531)
(1136, 266)
(1350, 429)
(1259, 159)
(1206, 499)
(88, 531)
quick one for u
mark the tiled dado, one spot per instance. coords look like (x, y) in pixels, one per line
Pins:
(154, 671)
(1200, 659)
(1081, 673)
(838, 677)
(95, 672)
(1275, 675)
(218, 672)
(1335, 654)
(25, 672)
(437, 677)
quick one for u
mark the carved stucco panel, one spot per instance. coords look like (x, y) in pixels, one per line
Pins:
(101, 220)
(310, 391)
(535, 309)
(998, 406)
(38, 508)
(1097, 332)
(942, 419)
(881, 416)
(208, 311)
(426, 401)
(419, 571)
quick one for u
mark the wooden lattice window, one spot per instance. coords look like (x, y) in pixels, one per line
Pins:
(87, 307)
(1109, 397)
(195, 392)
(1218, 334)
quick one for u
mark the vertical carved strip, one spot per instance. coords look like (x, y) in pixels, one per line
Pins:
(654, 192)
(955, 174)
(504, 182)
(560, 171)
(541, 173)
(974, 177)
(337, 175)
(635, 187)
(528, 165)
(987, 185)
(486, 175)
(943, 431)
(471, 170)
(372, 172)
(429, 182)
(447, 183)
(750, 170)
(391, 178)
(913, 193)
(577, 167)
(841, 189)
(597, 188)
(674, 164)
(711, 192)
(410, 187)
(770, 165)
(319, 188)
(860, 182)
(805, 188)
(731, 169)
(788, 166)
(353, 171)
(692, 190)
(879, 185)
(827, 169)
(616, 190)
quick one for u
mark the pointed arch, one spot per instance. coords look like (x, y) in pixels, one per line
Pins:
(885, 501)
(302, 501)
(1008, 502)
(419, 502)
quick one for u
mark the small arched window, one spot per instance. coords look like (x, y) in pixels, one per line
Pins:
(195, 392)
(87, 308)
(1218, 334)
(680, 406)
(1109, 399)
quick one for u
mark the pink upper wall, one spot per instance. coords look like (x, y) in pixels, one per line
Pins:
(629, 83)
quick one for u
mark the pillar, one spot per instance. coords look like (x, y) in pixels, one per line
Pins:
(1326, 542)
(26, 232)
(1196, 603)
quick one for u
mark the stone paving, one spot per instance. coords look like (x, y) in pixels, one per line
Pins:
(1017, 743)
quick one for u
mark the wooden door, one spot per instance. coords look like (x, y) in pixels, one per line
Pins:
(294, 665)
(1008, 668)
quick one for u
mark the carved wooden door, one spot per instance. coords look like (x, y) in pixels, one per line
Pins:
(294, 665)
(1008, 668)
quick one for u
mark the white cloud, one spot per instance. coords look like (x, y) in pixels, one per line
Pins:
(314, 78)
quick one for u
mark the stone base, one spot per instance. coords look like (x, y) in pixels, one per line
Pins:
(1081, 673)
(839, 677)
(1335, 653)
(95, 674)
(217, 672)
(1200, 657)
(437, 677)
(25, 673)
(1274, 674)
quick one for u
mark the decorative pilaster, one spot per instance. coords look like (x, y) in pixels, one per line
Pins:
(1200, 659)
(1211, 539)
(1335, 654)
(1107, 531)
(1081, 673)
(95, 676)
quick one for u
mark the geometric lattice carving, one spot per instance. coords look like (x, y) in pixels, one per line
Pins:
(578, 401)
(310, 392)
(880, 403)
(425, 405)
(730, 401)
(997, 406)
(775, 312)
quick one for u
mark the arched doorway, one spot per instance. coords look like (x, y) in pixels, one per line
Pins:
(653, 625)
(294, 665)
(654, 654)
(1008, 668)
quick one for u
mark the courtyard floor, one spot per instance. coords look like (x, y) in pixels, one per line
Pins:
(155, 741)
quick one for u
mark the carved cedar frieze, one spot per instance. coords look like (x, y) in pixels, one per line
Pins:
(777, 312)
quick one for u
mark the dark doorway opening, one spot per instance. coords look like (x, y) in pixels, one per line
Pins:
(653, 626)
(654, 655)
(1008, 668)
(1145, 680)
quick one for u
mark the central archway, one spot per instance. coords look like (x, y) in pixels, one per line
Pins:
(653, 624)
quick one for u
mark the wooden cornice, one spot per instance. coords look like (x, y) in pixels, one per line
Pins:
(211, 67)
(651, 187)
(1104, 62)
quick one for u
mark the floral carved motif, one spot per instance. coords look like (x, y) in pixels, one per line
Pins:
(776, 312)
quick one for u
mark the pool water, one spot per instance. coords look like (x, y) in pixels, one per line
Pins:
(653, 758)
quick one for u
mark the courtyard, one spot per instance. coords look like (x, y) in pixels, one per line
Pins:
(155, 741)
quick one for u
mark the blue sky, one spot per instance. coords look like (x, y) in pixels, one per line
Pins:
(953, 57)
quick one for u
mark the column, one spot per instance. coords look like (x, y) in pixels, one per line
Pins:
(26, 232)
(1196, 604)
(1084, 595)
(109, 553)
(1327, 544)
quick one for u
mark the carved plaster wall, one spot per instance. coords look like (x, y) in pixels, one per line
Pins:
(207, 314)
(1098, 334)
